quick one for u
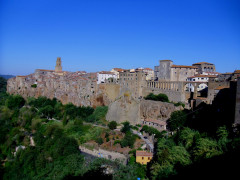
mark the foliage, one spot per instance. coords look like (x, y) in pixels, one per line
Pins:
(126, 127)
(159, 97)
(98, 114)
(3, 84)
(15, 102)
(112, 125)
(34, 85)
(179, 104)
(128, 140)
(99, 140)
(151, 130)
(206, 148)
(177, 120)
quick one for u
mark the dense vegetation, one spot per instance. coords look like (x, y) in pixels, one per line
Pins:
(159, 97)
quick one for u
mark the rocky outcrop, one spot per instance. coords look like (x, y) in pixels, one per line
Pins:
(135, 111)
(123, 109)
(156, 110)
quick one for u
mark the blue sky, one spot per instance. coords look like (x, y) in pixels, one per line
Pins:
(94, 35)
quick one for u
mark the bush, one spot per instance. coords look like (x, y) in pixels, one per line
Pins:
(159, 97)
(112, 125)
(126, 127)
(128, 140)
(34, 85)
(117, 142)
(99, 140)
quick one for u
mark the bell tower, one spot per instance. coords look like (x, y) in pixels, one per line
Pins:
(58, 67)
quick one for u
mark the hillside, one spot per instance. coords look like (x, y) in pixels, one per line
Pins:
(6, 76)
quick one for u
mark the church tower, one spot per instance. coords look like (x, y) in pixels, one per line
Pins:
(58, 67)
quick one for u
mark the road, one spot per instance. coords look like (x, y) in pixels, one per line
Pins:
(149, 144)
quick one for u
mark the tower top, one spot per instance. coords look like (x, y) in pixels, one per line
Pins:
(58, 67)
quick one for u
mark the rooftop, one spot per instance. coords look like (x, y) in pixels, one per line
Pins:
(202, 63)
(144, 153)
(183, 66)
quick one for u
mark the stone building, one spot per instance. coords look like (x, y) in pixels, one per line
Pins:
(58, 67)
(133, 82)
(116, 71)
(167, 71)
(103, 76)
(237, 107)
(204, 67)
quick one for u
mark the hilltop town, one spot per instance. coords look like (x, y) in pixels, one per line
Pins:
(123, 90)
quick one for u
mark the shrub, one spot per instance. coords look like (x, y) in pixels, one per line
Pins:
(126, 127)
(112, 125)
(99, 140)
(117, 142)
(34, 85)
(159, 97)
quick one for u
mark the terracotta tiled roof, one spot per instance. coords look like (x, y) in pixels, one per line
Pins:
(166, 60)
(221, 87)
(148, 69)
(105, 72)
(203, 63)
(183, 66)
(144, 153)
(21, 76)
(118, 69)
(227, 73)
(202, 76)
(237, 71)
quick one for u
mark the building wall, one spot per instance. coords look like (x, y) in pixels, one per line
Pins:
(102, 77)
(143, 160)
(213, 84)
(133, 82)
(205, 67)
(181, 74)
(237, 108)
(164, 70)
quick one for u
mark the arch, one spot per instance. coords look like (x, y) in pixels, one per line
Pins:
(189, 87)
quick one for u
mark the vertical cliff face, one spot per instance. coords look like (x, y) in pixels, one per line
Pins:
(124, 109)
(135, 111)
(79, 89)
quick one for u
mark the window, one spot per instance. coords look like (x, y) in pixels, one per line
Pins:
(142, 158)
(148, 158)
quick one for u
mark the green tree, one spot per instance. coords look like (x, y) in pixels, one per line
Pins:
(206, 148)
(126, 127)
(15, 102)
(112, 125)
(177, 120)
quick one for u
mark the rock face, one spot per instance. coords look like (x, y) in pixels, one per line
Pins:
(124, 109)
(156, 110)
(136, 111)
